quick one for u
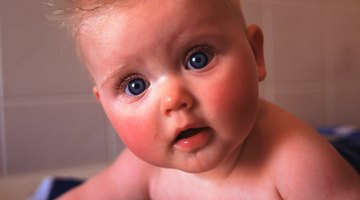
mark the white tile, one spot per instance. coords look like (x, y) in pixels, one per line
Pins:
(37, 59)
(297, 2)
(347, 108)
(354, 4)
(268, 48)
(1, 65)
(300, 87)
(269, 59)
(2, 133)
(267, 92)
(252, 11)
(346, 86)
(306, 100)
(41, 137)
(297, 42)
(262, 90)
(114, 143)
(342, 42)
(308, 106)
(342, 99)
(2, 142)
(49, 99)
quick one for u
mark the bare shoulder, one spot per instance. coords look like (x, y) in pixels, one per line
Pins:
(305, 165)
(117, 182)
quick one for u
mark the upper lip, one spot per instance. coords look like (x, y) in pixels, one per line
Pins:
(187, 131)
(186, 126)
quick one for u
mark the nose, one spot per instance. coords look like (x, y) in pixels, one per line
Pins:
(175, 97)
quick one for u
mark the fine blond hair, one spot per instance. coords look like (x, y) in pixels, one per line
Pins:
(70, 14)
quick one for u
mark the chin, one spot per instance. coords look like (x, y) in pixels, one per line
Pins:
(197, 170)
(198, 164)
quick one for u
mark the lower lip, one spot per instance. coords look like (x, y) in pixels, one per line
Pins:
(194, 142)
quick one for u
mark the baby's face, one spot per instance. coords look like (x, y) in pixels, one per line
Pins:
(177, 79)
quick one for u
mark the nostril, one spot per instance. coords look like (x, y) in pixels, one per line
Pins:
(176, 107)
(175, 98)
(183, 105)
(176, 104)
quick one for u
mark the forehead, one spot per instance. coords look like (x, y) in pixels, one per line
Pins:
(133, 9)
(143, 23)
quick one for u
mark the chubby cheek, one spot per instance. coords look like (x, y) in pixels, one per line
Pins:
(232, 106)
(134, 129)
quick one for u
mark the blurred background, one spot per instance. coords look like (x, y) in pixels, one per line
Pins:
(50, 120)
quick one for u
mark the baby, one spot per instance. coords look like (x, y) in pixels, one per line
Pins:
(178, 79)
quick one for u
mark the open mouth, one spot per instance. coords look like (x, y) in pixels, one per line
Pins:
(188, 133)
(192, 139)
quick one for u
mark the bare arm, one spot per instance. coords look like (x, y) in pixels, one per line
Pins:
(312, 169)
(127, 178)
(305, 165)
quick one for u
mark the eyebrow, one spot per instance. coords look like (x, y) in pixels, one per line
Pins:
(112, 75)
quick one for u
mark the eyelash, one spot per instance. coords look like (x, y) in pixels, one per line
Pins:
(204, 47)
(123, 82)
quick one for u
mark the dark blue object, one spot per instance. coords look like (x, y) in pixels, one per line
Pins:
(346, 140)
(62, 185)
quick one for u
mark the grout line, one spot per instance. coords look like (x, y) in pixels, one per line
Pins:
(267, 19)
(49, 99)
(109, 141)
(113, 142)
(3, 145)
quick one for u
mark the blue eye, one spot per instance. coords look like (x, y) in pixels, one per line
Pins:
(136, 87)
(198, 60)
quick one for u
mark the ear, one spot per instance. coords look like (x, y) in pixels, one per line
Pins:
(256, 39)
(96, 93)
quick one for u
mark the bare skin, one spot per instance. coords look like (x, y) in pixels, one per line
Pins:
(284, 163)
(198, 130)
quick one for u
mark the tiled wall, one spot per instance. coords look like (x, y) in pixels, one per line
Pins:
(48, 118)
(312, 56)
(2, 128)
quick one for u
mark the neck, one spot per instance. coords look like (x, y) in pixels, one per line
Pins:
(224, 169)
(244, 158)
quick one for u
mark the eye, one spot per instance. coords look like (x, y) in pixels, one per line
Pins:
(135, 87)
(199, 59)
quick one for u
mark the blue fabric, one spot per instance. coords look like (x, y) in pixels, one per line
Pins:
(52, 187)
(62, 185)
(346, 140)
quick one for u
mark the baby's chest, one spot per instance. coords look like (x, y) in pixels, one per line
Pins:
(181, 189)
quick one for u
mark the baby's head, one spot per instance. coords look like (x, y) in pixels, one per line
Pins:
(177, 79)
(71, 13)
